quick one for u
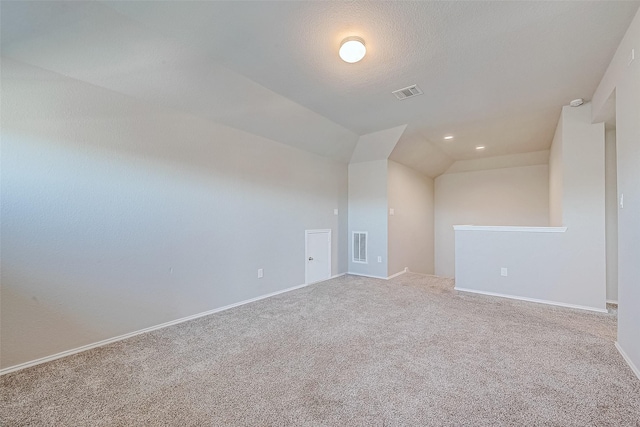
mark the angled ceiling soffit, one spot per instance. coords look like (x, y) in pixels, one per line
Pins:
(377, 145)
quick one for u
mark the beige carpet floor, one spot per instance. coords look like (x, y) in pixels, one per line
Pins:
(348, 352)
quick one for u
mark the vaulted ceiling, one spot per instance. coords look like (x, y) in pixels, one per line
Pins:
(493, 73)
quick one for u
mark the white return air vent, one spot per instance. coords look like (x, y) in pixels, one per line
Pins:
(407, 92)
(360, 247)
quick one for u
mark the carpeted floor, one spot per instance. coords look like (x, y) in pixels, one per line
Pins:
(348, 352)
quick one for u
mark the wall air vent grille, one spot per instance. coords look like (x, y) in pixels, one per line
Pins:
(359, 247)
(407, 92)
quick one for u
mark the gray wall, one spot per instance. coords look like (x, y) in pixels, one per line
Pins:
(583, 202)
(411, 226)
(555, 178)
(611, 214)
(541, 265)
(558, 267)
(624, 78)
(508, 196)
(118, 215)
(368, 212)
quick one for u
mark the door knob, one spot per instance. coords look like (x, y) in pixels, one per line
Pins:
(310, 258)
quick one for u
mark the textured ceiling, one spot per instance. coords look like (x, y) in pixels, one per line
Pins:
(493, 73)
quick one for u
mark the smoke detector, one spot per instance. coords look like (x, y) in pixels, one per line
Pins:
(577, 102)
(407, 92)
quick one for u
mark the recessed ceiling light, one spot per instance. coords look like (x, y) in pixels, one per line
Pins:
(352, 49)
(448, 137)
(480, 147)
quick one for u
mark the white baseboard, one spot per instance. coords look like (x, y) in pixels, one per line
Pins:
(427, 274)
(378, 277)
(142, 331)
(539, 301)
(400, 273)
(626, 358)
(367, 275)
(610, 301)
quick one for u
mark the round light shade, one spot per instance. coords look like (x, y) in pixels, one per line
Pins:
(352, 49)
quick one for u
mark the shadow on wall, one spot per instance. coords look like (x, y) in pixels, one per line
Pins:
(117, 216)
(66, 111)
(34, 323)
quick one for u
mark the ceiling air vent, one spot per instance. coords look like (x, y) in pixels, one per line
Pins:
(407, 92)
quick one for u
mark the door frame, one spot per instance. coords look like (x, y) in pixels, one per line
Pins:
(306, 254)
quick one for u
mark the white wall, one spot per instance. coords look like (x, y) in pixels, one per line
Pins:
(508, 196)
(624, 78)
(368, 212)
(410, 195)
(118, 215)
(611, 214)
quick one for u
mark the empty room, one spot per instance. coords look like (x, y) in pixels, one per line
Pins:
(320, 213)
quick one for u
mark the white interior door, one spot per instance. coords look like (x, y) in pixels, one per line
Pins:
(317, 255)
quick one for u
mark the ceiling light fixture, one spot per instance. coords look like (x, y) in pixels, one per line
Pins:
(448, 137)
(480, 147)
(352, 49)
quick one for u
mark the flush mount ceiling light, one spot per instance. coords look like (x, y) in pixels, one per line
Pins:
(480, 147)
(352, 49)
(448, 137)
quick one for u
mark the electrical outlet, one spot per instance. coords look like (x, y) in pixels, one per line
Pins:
(260, 273)
(379, 259)
(392, 211)
(503, 272)
(335, 211)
